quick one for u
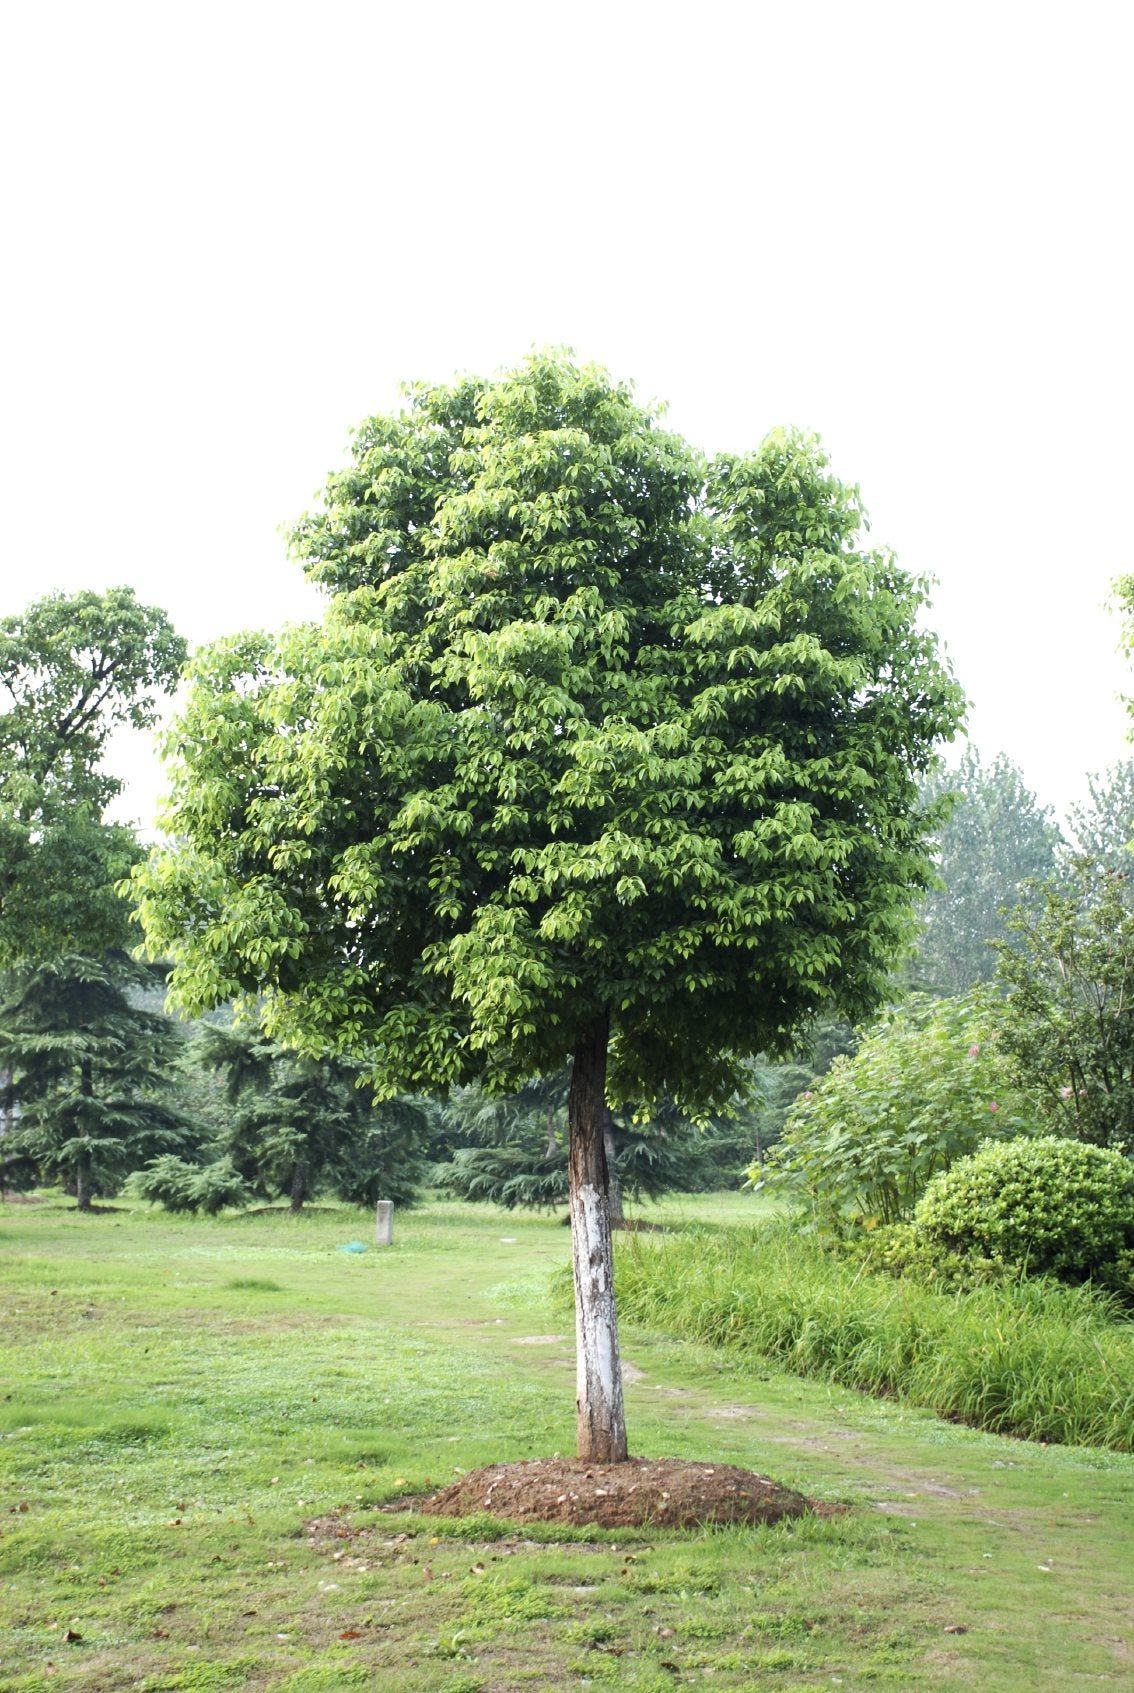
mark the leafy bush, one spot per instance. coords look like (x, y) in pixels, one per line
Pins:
(926, 1087)
(178, 1186)
(902, 1251)
(1052, 1206)
(1027, 1357)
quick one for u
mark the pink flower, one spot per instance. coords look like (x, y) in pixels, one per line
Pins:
(807, 1095)
(1065, 1093)
(974, 1049)
(994, 1106)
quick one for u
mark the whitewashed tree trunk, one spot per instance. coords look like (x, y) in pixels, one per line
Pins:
(601, 1421)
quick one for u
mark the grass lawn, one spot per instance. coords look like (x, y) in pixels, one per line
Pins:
(194, 1414)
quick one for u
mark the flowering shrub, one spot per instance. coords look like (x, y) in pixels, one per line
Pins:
(926, 1087)
(1052, 1206)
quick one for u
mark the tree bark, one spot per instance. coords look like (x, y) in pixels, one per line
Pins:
(601, 1423)
(299, 1186)
(614, 1186)
(83, 1183)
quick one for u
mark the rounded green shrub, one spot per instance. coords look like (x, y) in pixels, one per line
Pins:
(1051, 1206)
(901, 1250)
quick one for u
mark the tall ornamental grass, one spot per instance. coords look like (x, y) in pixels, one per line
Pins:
(1033, 1358)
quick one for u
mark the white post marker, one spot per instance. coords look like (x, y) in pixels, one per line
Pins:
(384, 1223)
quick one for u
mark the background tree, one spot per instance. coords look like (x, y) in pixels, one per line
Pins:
(181, 1185)
(994, 842)
(600, 752)
(297, 1125)
(1103, 828)
(512, 1151)
(1066, 1024)
(72, 669)
(91, 1076)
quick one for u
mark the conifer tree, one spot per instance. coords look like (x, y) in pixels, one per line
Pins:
(512, 1151)
(299, 1125)
(90, 1077)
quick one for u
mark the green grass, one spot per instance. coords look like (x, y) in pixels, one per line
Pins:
(1032, 1359)
(212, 1424)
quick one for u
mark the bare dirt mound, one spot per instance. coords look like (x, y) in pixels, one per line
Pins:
(663, 1492)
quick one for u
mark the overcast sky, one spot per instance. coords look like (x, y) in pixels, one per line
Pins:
(232, 230)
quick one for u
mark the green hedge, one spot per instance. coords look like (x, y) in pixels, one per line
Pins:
(1049, 1206)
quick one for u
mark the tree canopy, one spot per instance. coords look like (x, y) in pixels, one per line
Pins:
(72, 669)
(994, 841)
(599, 746)
(89, 1077)
(1103, 826)
(1065, 1023)
(589, 723)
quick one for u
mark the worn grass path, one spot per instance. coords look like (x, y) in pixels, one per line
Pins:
(180, 1401)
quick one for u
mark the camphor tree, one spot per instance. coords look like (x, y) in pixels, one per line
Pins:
(601, 751)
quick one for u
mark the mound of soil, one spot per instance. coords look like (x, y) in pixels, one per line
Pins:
(663, 1492)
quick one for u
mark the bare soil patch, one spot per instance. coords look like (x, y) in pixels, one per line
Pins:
(663, 1492)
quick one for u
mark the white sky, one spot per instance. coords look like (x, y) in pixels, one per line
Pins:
(231, 230)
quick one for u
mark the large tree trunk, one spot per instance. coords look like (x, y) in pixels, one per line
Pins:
(601, 1423)
(299, 1185)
